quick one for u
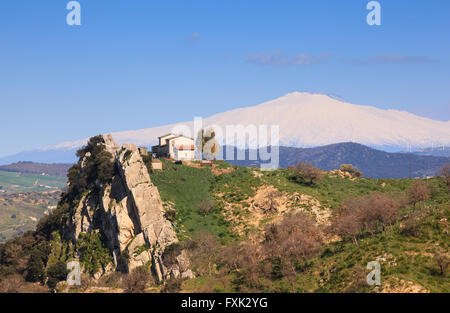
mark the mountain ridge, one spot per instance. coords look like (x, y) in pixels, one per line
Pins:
(372, 162)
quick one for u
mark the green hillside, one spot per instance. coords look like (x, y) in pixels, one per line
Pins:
(15, 182)
(252, 231)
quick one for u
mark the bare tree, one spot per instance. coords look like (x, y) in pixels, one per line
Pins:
(137, 280)
(270, 203)
(202, 249)
(418, 192)
(442, 261)
(307, 173)
(372, 212)
(291, 243)
(206, 206)
(445, 173)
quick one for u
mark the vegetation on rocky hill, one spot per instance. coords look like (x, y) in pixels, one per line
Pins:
(247, 230)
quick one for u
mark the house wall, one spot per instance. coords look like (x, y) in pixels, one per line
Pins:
(163, 140)
(184, 154)
(175, 142)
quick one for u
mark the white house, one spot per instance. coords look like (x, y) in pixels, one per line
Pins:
(177, 147)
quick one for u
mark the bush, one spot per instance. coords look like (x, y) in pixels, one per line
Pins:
(56, 273)
(445, 173)
(93, 254)
(172, 286)
(206, 206)
(137, 280)
(306, 173)
(419, 192)
(367, 213)
(202, 249)
(36, 268)
(442, 261)
(351, 169)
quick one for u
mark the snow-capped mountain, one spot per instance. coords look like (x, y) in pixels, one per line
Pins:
(308, 120)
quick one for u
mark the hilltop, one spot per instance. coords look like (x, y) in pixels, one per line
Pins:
(232, 228)
(54, 169)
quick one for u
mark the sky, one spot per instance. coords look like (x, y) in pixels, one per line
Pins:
(135, 64)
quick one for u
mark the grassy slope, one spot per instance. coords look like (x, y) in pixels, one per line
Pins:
(186, 187)
(12, 181)
(409, 258)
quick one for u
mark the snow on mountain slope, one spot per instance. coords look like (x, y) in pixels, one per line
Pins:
(307, 120)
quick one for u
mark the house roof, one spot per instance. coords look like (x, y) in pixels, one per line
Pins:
(178, 136)
(167, 135)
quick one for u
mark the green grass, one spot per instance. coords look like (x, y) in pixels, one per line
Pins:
(14, 181)
(186, 187)
(334, 270)
(331, 191)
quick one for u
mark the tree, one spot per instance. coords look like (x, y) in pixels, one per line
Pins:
(306, 173)
(36, 270)
(56, 273)
(270, 204)
(137, 280)
(442, 261)
(418, 192)
(202, 249)
(206, 206)
(289, 244)
(445, 173)
(371, 213)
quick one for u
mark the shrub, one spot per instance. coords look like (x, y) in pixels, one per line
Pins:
(171, 253)
(442, 261)
(306, 173)
(16, 284)
(202, 249)
(418, 192)
(445, 173)
(289, 245)
(171, 215)
(367, 213)
(56, 273)
(137, 280)
(206, 206)
(36, 269)
(93, 254)
(172, 286)
(351, 169)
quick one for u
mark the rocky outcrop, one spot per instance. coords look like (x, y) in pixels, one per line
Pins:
(130, 215)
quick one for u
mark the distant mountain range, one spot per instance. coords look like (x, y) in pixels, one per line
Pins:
(305, 120)
(55, 169)
(435, 151)
(373, 163)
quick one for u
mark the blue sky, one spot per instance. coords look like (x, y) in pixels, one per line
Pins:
(139, 64)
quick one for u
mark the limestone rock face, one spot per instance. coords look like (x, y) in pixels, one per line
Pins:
(130, 215)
